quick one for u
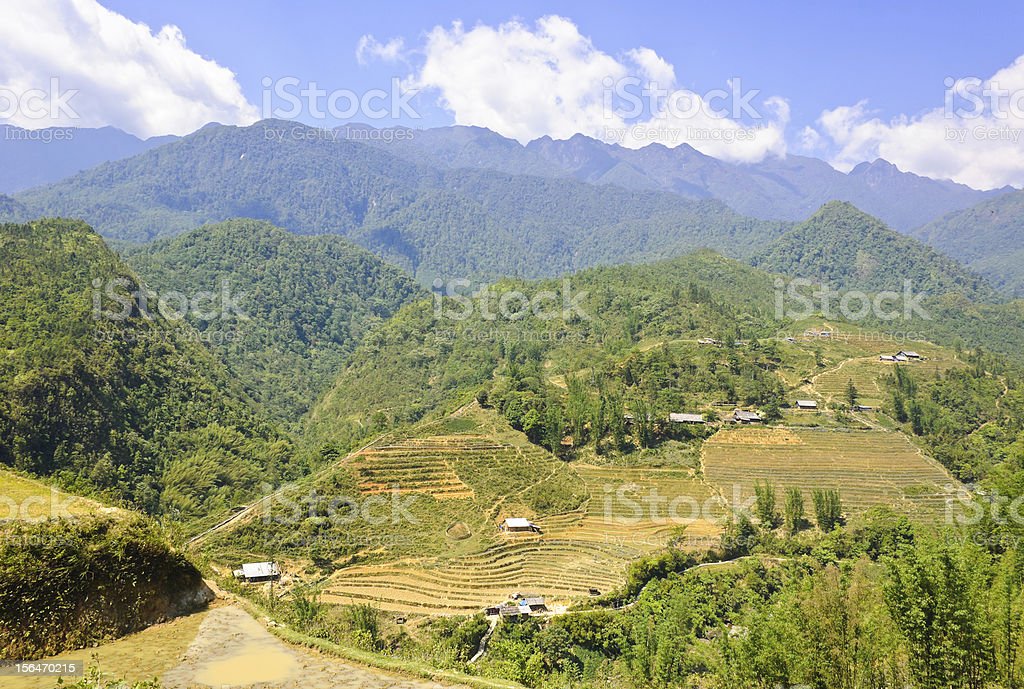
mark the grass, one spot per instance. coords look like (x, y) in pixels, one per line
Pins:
(25, 498)
(869, 467)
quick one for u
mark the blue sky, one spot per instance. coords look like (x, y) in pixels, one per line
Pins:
(819, 55)
(844, 83)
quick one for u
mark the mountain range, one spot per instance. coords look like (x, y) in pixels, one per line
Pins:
(33, 157)
(465, 202)
(789, 188)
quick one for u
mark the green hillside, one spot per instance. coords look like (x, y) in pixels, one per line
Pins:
(134, 408)
(989, 237)
(852, 250)
(472, 223)
(308, 302)
(426, 358)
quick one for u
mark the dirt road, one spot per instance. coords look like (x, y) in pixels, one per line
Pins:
(232, 649)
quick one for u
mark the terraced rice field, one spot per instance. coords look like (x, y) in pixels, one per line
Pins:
(868, 467)
(640, 507)
(867, 374)
(554, 567)
(586, 548)
(418, 465)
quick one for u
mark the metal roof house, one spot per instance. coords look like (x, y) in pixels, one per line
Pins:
(535, 604)
(740, 416)
(685, 418)
(806, 404)
(908, 354)
(258, 571)
(519, 525)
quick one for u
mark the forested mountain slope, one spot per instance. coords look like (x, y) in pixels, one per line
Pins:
(308, 301)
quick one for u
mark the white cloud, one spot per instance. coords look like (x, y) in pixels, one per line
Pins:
(548, 79)
(978, 145)
(369, 48)
(122, 74)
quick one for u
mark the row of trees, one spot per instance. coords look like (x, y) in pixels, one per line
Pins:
(828, 509)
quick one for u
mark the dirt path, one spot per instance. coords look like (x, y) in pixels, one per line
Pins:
(232, 649)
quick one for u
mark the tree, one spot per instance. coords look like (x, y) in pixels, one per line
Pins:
(794, 510)
(828, 509)
(899, 408)
(771, 411)
(765, 505)
(851, 394)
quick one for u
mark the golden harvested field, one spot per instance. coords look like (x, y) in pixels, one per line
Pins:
(868, 467)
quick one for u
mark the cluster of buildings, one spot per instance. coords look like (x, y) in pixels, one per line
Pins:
(520, 606)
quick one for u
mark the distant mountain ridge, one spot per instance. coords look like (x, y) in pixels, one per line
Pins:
(33, 157)
(790, 188)
(474, 223)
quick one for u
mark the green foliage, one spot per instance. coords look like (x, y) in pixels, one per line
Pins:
(828, 509)
(849, 249)
(794, 510)
(67, 584)
(852, 395)
(765, 504)
(134, 409)
(422, 361)
(307, 302)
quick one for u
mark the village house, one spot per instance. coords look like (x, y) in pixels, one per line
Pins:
(908, 354)
(886, 357)
(806, 404)
(253, 572)
(519, 525)
(533, 604)
(686, 418)
(740, 416)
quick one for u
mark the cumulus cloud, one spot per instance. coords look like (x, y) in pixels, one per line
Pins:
(976, 136)
(369, 49)
(97, 67)
(527, 81)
